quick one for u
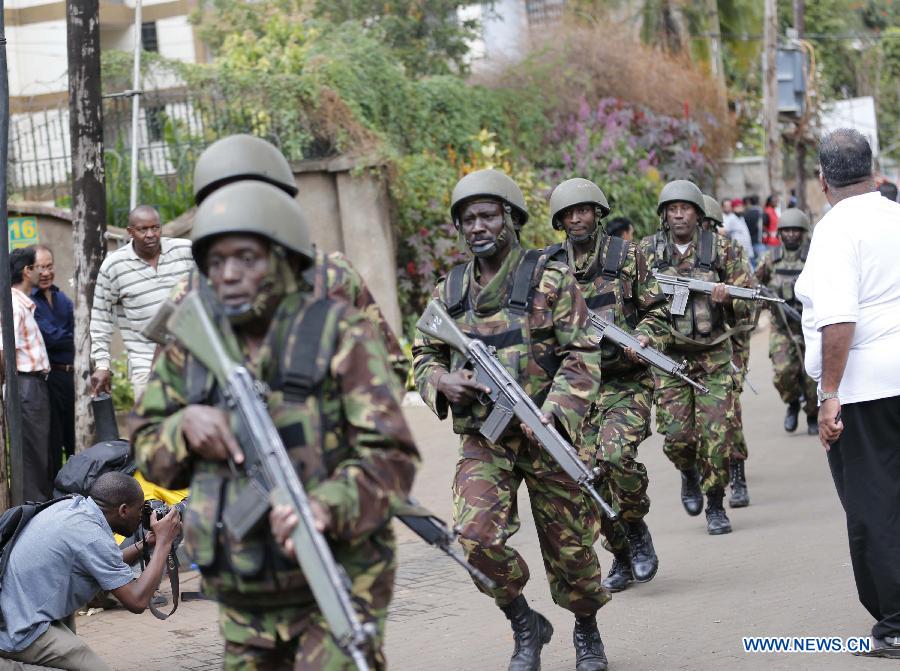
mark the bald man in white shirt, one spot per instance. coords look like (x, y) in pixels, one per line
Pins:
(850, 290)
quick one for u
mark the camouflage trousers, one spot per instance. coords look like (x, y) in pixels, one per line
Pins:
(285, 639)
(619, 423)
(737, 444)
(297, 637)
(486, 512)
(695, 425)
(791, 379)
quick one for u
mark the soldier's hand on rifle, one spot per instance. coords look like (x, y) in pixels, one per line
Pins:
(631, 354)
(460, 387)
(283, 520)
(100, 382)
(206, 430)
(167, 529)
(720, 294)
(546, 420)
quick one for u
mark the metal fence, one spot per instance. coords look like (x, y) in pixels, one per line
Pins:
(174, 126)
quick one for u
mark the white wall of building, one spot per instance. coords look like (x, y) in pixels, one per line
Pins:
(176, 39)
(37, 59)
(504, 33)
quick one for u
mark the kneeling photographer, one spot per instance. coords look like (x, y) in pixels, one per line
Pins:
(64, 555)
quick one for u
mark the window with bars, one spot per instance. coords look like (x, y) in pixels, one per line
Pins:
(149, 38)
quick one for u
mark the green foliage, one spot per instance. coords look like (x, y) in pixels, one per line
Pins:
(426, 35)
(122, 393)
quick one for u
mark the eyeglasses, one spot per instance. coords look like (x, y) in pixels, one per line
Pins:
(42, 269)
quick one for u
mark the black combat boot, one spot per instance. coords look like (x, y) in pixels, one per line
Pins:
(691, 496)
(589, 653)
(812, 424)
(644, 562)
(740, 497)
(531, 632)
(790, 417)
(619, 574)
(716, 520)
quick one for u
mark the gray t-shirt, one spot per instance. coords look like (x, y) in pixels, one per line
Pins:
(64, 556)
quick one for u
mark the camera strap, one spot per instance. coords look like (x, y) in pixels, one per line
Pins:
(172, 571)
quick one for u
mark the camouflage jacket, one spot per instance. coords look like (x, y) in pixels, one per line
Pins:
(779, 270)
(347, 437)
(548, 350)
(704, 325)
(633, 300)
(334, 276)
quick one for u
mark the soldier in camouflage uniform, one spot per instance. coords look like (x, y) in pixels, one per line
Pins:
(695, 424)
(740, 344)
(243, 157)
(779, 270)
(340, 421)
(616, 284)
(529, 308)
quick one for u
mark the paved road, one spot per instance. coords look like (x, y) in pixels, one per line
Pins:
(784, 571)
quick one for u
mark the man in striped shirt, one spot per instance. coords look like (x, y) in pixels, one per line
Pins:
(133, 282)
(32, 365)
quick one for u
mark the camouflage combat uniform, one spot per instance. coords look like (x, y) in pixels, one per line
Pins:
(779, 270)
(695, 425)
(353, 453)
(631, 298)
(546, 347)
(335, 277)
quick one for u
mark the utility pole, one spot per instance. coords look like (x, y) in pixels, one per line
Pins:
(13, 405)
(88, 190)
(800, 140)
(770, 95)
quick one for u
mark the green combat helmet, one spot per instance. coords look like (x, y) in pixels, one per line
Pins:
(793, 218)
(489, 183)
(252, 207)
(681, 190)
(576, 191)
(712, 209)
(240, 157)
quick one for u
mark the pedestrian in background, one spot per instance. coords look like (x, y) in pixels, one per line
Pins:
(735, 228)
(32, 366)
(770, 222)
(55, 316)
(753, 217)
(850, 289)
(620, 227)
(132, 283)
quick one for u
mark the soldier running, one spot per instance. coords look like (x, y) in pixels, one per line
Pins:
(330, 392)
(617, 285)
(529, 308)
(695, 425)
(740, 344)
(779, 271)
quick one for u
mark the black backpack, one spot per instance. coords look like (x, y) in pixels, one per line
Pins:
(12, 522)
(81, 471)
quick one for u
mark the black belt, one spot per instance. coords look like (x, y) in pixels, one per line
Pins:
(64, 367)
(33, 373)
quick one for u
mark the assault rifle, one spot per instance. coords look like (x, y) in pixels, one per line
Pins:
(650, 356)
(510, 400)
(433, 531)
(787, 309)
(680, 287)
(421, 521)
(272, 478)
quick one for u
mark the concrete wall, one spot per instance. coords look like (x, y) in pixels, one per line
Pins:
(349, 209)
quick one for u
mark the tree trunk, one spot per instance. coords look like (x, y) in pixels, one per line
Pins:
(800, 149)
(88, 191)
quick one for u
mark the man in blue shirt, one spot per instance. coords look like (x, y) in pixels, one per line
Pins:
(55, 316)
(64, 556)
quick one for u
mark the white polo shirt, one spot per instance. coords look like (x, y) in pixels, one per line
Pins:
(852, 274)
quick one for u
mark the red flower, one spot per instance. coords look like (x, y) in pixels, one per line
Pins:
(411, 268)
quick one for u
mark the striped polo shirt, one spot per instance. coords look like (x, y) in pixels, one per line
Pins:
(31, 354)
(129, 291)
